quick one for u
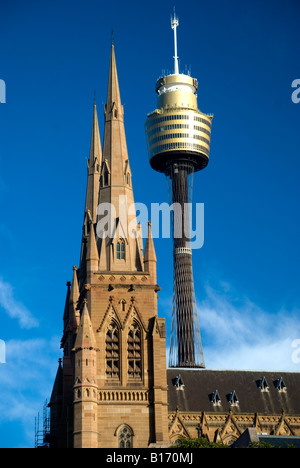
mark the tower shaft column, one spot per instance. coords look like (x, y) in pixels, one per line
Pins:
(186, 348)
(183, 306)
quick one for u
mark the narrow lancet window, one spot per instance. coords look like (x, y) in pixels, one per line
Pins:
(120, 250)
(123, 305)
(112, 352)
(134, 350)
(106, 178)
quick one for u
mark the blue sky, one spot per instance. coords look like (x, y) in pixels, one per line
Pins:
(53, 56)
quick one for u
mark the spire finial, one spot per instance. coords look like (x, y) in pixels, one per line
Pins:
(94, 97)
(174, 25)
(112, 37)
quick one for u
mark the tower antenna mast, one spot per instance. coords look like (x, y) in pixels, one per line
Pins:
(174, 25)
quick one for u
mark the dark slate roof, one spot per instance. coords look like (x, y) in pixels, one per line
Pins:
(200, 384)
(57, 391)
(281, 441)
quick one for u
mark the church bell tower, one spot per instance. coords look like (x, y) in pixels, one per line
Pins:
(111, 387)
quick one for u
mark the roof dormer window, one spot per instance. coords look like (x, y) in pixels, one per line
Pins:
(280, 385)
(215, 398)
(233, 399)
(178, 382)
(263, 385)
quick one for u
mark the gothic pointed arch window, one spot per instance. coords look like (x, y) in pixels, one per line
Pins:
(134, 352)
(112, 352)
(106, 178)
(120, 249)
(125, 437)
(105, 175)
(122, 303)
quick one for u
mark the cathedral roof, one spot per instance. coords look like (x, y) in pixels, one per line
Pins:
(242, 391)
(57, 392)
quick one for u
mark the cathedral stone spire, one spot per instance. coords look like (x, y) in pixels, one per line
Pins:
(74, 298)
(92, 191)
(115, 153)
(92, 257)
(113, 101)
(150, 255)
(120, 246)
(94, 164)
(85, 338)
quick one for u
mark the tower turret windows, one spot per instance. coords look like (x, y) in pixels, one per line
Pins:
(120, 250)
(106, 178)
(105, 175)
(112, 352)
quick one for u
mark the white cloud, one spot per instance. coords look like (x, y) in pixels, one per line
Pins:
(238, 334)
(14, 308)
(27, 372)
(26, 381)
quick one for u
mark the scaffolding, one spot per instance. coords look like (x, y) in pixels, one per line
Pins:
(42, 428)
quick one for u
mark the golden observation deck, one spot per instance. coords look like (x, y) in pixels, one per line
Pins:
(177, 129)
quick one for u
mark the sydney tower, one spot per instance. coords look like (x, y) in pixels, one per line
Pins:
(178, 139)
